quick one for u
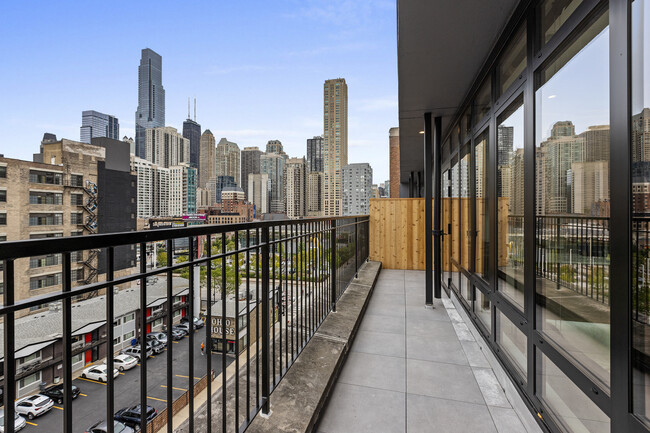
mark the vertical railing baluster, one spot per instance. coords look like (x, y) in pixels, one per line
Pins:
(224, 342)
(293, 291)
(9, 347)
(208, 332)
(279, 301)
(274, 293)
(190, 309)
(257, 317)
(265, 321)
(169, 246)
(356, 249)
(333, 263)
(143, 336)
(236, 261)
(248, 326)
(67, 343)
(110, 349)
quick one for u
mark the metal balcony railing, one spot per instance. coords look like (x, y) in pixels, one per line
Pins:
(292, 274)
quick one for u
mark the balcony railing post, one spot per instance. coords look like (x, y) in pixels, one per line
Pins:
(333, 262)
(356, 249)
(9, 337)
(265, 322)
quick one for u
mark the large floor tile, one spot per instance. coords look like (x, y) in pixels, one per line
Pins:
(490, 388)
(392, 324)
(435, 348)
(475, 355)
(379, 343)
(375, 371)
(382, 308)
(362, 409)
(388, 299)
(389, 288)
(436, 379)
(427, 414)
(506, 420)
(421, 316)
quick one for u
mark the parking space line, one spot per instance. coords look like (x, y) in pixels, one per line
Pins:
(82, 394)
(159, 399)
(93, 381)
(176, 342)
(123, 373)
(57, 407)
(187, 377)
(31, 423)
(173, 387)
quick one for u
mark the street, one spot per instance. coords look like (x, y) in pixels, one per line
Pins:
(90, 406)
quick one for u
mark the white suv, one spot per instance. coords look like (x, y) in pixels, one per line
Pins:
(134, 351)
(34, 405)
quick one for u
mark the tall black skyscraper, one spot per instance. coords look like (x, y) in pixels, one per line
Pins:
(151, 98)
(192, 131)
(315, 154)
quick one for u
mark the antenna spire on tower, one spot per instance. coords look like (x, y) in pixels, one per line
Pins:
(188, 108)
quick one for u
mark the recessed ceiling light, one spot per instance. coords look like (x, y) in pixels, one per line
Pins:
(421, 132)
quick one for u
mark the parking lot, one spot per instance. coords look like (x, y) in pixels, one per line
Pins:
(90, 406)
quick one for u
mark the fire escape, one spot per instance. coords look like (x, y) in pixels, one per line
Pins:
(90, 224)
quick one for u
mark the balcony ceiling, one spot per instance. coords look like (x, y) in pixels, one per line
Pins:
(441, 48)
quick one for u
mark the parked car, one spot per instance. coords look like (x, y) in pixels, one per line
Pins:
(155, 346)
(55, 392)
(124, 362)
(131, 415)
(185, 327)
(198, 323)
(160, 336)
(98, 372)
(181, 329)
(134, 351)
(102, 427)
(34, 405)
(19, 421)
(177, 335)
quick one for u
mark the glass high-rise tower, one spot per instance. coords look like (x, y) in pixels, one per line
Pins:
(96, 124)
(151, 98)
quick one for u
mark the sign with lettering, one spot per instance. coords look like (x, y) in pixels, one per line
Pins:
(217, 326)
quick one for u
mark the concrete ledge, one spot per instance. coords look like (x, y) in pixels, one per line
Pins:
(299, 399)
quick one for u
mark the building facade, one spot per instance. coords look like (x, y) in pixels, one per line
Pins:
(335, 143)
(151, 99)
(250, 164)
(218, 184)
(315, 194)
(228, 160)
(96, 124)
(315, 154)
(208, 161)
(182, 190)
(357, 189)
(272, 164)
(295, 183)
(152, 188)
(259, 192)
(166, 147)
(192, 131)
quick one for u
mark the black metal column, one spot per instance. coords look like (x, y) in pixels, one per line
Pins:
(266, 320)
(437, 208)
(333, 262)
(428, 211)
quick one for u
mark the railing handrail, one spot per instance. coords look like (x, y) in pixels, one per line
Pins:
(29, 247)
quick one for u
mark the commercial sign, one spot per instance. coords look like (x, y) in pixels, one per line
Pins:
(194, 217)
(217, 326)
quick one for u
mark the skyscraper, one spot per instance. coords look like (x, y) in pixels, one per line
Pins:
(182, 190)
(151, 98)
(208, 161)
(315, 194)
(259, 192)
(315, 154)
(357, 189)
(192, 131)
(228, 160)
(166, 147)
(250, 164)
(275, 146)
(335, 143)
(95, 124)
(273, 165)
(295, 183)
(216, 185)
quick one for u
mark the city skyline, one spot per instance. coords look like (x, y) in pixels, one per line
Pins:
(231, 90)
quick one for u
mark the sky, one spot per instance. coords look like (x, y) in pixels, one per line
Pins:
(256, 68)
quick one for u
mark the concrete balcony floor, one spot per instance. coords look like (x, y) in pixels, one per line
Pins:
(413, 369)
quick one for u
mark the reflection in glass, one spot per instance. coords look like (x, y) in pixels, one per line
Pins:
(572, 200)
(465, 125)
(482, 101)
(465, 222)
(455, 226)
(571, 406)
(554, 13)
(510, 206)
(513, 61)
(513, 343)
(445, 221)
(483, 309)
(482, 257)
(641, 209)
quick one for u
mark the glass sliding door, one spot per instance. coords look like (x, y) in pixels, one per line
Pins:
(482, 218)
(445, 226)
(466, 231)
(455, 223)
(572, 220)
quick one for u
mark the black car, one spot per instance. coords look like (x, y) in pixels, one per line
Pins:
(131, 415)
(55, 392)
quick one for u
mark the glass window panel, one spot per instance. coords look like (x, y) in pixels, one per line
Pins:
(445, 225)
(554, 13)
(513, 61)
(455, 221)
(482, 256)
(482, 100)
(573, 410)
(641, 209)
(510, 206)
(465, 221)
(513, 343)
(572, 201)
(465, 125)
(483, 309)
